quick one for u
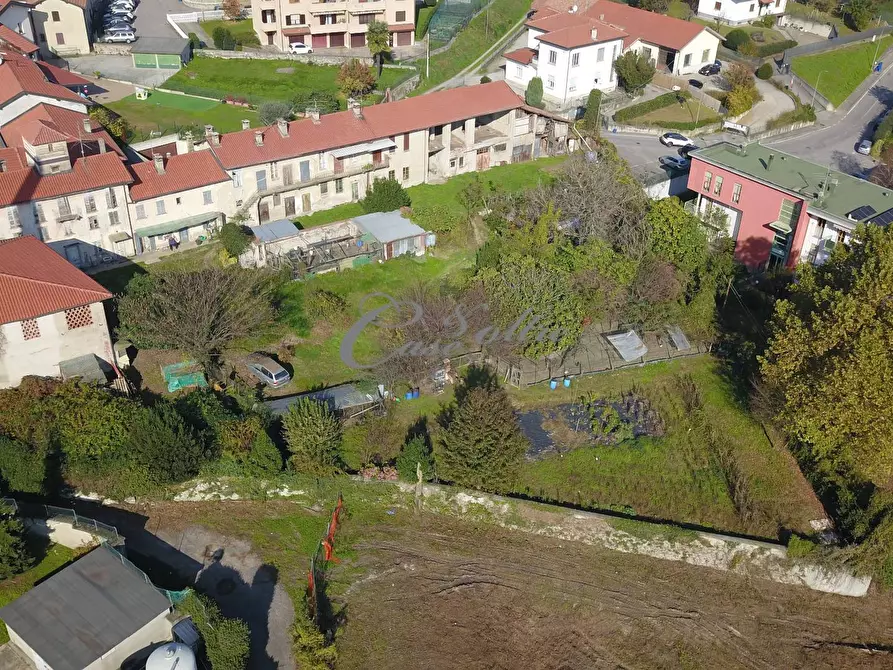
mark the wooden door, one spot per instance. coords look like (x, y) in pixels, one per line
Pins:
(287, 175)
(357, 40)
(404, 39)
(305, 202)
(483, 159)
(376, 157)
(264, 212)
(290, 206)
(339, 165)
(336, 39)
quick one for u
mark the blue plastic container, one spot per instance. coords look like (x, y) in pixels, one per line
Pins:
(553, 384)
(567, 382)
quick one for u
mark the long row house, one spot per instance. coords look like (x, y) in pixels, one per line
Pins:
(65, 180)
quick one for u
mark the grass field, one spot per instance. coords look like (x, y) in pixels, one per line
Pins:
(474, 40)
(168, 112)
(55, 558)
(423, 18)
(258, 81)
(840, 72)
(242, 30)
(675, 477)
(675, 113)
(769, 35)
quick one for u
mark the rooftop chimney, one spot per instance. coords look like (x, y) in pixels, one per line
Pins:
(282, 125)
(87, 127)
(101, 143)
(215, 139)
(313, 113)
(167, 155)
(2, 166)
(769, 162)
(601, 17)
(258, 138)
(209, 130)
(159, 163)
(358, 111)
(594, 34)
(246, 124)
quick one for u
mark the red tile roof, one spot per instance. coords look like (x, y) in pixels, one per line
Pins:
(35, 281)
(181, 173)
(62, 77)
(580, 35)
(17, 41)
(19, 75)
(24, 184)
(379, 121)
(524, 55)
(639, 24)
(67, 124)
(4, 3)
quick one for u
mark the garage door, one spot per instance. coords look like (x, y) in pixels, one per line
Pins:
(144, 60)
(358, 40)
(168, 62)
(336, 39)
(319, 41)
(404, 39)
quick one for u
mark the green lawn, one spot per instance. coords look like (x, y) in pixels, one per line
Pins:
(769, 35)
(679, 10)
(242, 30)
(168, 113)
(423, 18)
(690, 112)
(674, 477)
(258, 81)
(840, 72)
(474, 40)
(56, 558)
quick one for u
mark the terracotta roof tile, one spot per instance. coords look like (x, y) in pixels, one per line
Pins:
(18, 184)
(60, 76)
(524, 55)
(580, 35)
(17, 41)
(181, 173)
(67, 122)
(35, 281)
(379, 121)
(20, 75)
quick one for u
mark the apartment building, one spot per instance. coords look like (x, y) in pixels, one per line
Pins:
(782, 210)
(65, 27)
(573, 51)
(325, 24)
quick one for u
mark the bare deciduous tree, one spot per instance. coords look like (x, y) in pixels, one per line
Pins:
(199, 311)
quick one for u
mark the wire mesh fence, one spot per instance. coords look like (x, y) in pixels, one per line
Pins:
(451, 16)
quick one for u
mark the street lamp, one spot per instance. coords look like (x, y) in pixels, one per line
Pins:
(816, 89)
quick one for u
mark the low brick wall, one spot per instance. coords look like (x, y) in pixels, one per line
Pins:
(318, 58)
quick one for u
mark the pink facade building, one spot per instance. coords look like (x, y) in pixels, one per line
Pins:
(780, 209)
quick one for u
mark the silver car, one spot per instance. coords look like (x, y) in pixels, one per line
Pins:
(674, 162)
(267, 370)
(864, 147)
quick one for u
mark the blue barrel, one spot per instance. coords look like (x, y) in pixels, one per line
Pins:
(553, 384)
(567, 382)
(415, 393)
(409, 395)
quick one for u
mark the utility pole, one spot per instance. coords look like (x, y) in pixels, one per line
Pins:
(816, 89)
(427, 55)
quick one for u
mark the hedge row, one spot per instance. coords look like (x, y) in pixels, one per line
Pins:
(678, 125)
(766, 50)
(642, 108)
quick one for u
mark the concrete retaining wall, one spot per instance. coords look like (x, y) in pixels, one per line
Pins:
(319, 59)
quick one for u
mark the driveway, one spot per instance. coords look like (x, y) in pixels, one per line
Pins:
(774, 102)
(151, 17)
(120, 68)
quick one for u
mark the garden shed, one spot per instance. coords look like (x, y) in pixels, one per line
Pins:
(396, 234)
(161, 53)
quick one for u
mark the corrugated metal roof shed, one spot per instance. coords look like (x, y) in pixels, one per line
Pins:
(275, 230)
(338, 398)
(82, 612)
(388, 226)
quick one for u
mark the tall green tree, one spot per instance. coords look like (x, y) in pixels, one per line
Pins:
(482, 446)
(313, 435)
(634, 70)
(14, 556)
(830, 359)
(355, 79)
(860, 13)
(676, 236)
(163, 444)
(378, 40)
(593, 107)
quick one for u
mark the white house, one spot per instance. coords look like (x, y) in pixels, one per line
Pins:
(573, 51)
(740, 11)
(51, 313)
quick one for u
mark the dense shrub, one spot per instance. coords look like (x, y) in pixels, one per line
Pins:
(736, 39)
(311, 650)
(223, 39)
(313, 436)
(634, 71)
(414, 453)
(437, 218)
(386, 195)
(485, 79)
(323, 304)
(270, 112)
(115, 124)
(799, 547)
(593, 108)
(772, 48)
(643, 108)
(884, 130)
(22, 468)
(325, 102)
(14, 556)
(227, 642)
(194, 41)
(764, 72)
(533, 96)
(162, 443)
(234, 238)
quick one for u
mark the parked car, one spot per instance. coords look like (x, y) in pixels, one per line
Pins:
(123, 13)
(114, 37)
(696, 83)
(864, 147)
(118, 30)
(267, 370)
(122, 4)
(674, 162)
(109, 20)
(299, 48)
(687, 149)
(711, 69)
(675, 140)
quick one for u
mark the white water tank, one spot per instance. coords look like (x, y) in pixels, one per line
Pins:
(172, 656)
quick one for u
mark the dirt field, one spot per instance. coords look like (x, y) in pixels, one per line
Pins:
(444, 595)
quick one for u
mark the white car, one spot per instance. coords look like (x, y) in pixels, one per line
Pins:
(119, 14)
(118, 38)
(675, 140)
(299, 48)
(864, 147)
(674, 162)
(122, 4)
